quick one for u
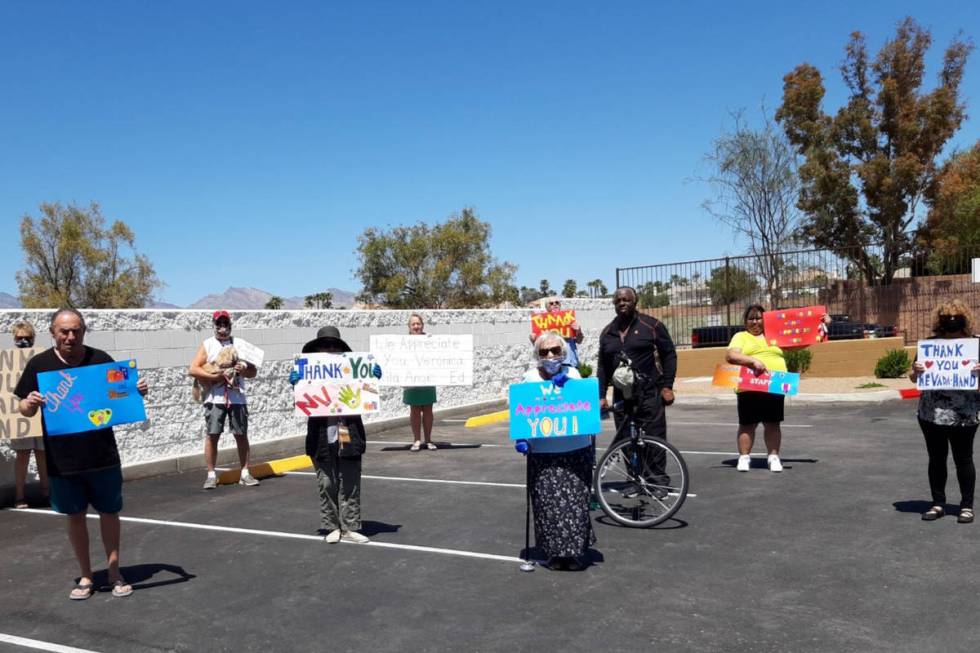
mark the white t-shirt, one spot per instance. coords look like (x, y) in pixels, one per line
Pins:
(236, 392)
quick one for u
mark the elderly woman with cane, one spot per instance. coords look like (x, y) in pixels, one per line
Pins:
(559, 472)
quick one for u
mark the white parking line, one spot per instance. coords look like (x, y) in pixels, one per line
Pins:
(679, 423)
(448, 444)
(417, 480)
(41, 646)
(291, 536)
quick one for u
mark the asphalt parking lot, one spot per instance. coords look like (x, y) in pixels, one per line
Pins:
(830, 555)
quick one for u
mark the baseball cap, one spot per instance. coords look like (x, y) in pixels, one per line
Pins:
(220, 314)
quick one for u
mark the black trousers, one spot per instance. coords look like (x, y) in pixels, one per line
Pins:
(652, 420)
(939, 440)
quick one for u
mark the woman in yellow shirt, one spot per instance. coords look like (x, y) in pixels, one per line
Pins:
(749, 348)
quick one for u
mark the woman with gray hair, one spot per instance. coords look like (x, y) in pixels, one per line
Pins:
(559, 472)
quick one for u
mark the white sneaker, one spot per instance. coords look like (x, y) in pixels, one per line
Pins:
(744, 462)
(333, 536)
(248, 479)
(354, 536)
(775, 465)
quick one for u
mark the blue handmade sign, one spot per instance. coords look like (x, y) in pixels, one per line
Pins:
(91, 397)
(948, 364)
(544, 410)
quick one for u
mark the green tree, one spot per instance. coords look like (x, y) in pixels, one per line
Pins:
(867, 169)
(544, 287)
(597, 288)
(73, 259)
(448, 265)
(756, 190)
(570, 288)
(529, 295)
(951, 233)
(318, 300)
(652, 294)
(274, 304)
(729, 284)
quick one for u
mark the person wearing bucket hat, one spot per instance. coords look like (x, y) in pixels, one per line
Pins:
(335, 445)
(224, 400)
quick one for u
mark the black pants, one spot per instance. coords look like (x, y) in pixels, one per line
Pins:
(939, 440)
(652, 420)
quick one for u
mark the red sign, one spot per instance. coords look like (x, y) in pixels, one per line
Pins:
(795, 327)
(558, 321)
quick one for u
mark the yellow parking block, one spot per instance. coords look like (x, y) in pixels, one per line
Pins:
(489, 418)
(266, 469)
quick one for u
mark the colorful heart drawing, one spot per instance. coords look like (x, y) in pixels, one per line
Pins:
(967, 363)
(100, 417)
(929, 364)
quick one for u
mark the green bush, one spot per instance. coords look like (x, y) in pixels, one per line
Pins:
(893, 364)
(585, 370)
(798, 360)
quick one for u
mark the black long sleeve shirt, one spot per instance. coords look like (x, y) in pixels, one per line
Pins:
(645, 334)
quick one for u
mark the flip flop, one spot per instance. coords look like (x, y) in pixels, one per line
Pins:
(81, 592)
(430, 446)
(121, 589)
(416, 445)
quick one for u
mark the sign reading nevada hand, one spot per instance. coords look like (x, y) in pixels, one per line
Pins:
(949, 364)
(334, 385)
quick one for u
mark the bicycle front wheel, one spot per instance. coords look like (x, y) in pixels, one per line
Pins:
(641, 483)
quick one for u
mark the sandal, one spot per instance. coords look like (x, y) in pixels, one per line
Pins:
(81, 592)
(121, 589)
(20, 504)
(965, 516)
(430, 446)
(416, 445)
(933, 513)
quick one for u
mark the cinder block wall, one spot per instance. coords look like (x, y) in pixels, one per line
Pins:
(164, 341)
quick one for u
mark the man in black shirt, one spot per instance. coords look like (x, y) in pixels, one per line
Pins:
(83, 468)
(644, 340)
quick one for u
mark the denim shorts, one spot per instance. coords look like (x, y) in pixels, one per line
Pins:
(102, 489)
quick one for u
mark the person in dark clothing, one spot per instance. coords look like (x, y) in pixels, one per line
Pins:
(83, 468)
(644, 340)
(335, 445)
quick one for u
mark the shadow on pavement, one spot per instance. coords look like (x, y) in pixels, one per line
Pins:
(137, 575)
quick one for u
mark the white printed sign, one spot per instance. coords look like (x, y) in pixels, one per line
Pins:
(249, 352)
(421, 360)
(949, 364)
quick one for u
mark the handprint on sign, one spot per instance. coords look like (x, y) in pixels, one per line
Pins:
(349, 397)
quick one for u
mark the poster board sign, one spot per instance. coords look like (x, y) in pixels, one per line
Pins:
(949, 364)
(795, 327)
(558, 321)
(726, 376)
(249, 352)
(12, 424)
(778, 383)
(543, 410)
(92, 397)
(421, 360)
(334, 385)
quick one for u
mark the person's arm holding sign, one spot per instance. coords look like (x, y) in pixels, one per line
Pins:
(28, 406)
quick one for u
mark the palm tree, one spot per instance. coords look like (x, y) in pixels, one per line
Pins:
(274, 304)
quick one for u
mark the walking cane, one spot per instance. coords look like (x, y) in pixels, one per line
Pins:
(527, 565)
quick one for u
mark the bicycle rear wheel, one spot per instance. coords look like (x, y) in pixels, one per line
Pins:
(641, 483)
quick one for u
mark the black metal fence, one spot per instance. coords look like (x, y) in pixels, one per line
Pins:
(855, 284)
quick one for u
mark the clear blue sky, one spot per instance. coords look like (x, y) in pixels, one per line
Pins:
(248, 144)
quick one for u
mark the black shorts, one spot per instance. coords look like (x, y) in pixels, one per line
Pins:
(755, 407)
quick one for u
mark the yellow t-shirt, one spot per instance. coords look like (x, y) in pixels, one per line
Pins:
(757, 347)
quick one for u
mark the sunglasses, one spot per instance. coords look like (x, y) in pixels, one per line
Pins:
(556, 351)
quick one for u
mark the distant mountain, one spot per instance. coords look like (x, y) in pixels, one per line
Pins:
(254, 298)
(162, 305)
(8, 301)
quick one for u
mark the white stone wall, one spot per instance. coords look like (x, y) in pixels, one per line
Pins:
(164, 341)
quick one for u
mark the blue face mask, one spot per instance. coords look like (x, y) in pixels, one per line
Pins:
(550, 366)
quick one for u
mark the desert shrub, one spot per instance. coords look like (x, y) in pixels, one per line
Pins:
(798, 360)
(585, 370)
(893, 364)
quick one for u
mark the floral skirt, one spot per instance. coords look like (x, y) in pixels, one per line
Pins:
(560, 486)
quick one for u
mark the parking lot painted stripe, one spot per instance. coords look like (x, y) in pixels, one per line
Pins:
(291, 536)
(41, 646)
(721, 453)
(675, 422)
(450, 444)
(419, 480)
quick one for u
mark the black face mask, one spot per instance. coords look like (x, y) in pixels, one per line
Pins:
(24, 343)
(952, 323)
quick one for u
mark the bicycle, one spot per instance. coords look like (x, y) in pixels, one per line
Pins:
(640, 480)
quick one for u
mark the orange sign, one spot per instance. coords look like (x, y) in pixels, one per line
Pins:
(726, 376)
(558, 321)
